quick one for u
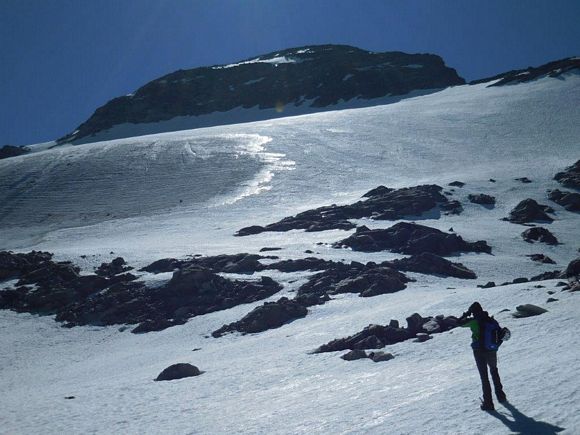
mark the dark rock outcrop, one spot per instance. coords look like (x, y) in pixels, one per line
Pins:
(524, 180)
(541, 258)
(382, 203)
(366, 280)
(268, 316)
(529, 210)
(163, 265)
(410, 238)
(570, 177)
(310, 77)
(457, 184)
(178, 371)
(301, 264)
(14, 265)
(573, 269)
(481, 198)
(115, 267)
(453, 207)
(433, 264)
(569, 200)
(378, 336)
(119, 299)
(227, 263)
(11, 151)
(539, 234)
(551, 69)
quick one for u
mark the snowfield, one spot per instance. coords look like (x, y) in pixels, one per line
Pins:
(187, 192)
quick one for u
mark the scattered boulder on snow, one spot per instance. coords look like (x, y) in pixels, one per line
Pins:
(355, 354)
(569, 200)
(178, 371)
(381, 203)
(410, 238)
(456, 184)
(529, 210)
(528, 310)
(489, 284)
(378, 336)
(115, 267)
(541, 258)
(570, 177)
(539, 234)
(482, 199)
(433, 264)
(422, 337)
(268, 316)
(380, 356)
(524, 180)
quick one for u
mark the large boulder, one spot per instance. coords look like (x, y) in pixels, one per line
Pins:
(481, 198)
(178, 371)
(355, 354)
(541, 258)
(539, 234)
(529, 210)
(528, 310)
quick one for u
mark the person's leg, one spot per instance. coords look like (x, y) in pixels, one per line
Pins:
(481, 361)
(498, 387)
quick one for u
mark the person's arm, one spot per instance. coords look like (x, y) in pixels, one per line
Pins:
(465, 321)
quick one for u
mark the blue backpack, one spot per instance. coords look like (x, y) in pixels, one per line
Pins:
(492, 335)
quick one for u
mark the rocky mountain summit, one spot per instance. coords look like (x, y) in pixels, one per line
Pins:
(550, 69)
(312, 78)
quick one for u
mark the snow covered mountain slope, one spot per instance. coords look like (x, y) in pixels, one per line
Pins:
(177, 194)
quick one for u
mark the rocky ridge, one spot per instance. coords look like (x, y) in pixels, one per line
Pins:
(311, 77)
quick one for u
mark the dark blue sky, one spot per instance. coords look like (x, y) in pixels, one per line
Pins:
(61, 59)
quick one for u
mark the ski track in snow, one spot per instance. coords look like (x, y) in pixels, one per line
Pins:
(233, 176)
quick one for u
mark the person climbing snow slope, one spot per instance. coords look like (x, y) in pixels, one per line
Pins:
(486, 335)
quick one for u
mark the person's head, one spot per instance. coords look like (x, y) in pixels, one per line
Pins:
(475, 309)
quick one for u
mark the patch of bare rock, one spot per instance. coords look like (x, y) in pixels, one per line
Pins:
(410, 238)
(381, 203)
